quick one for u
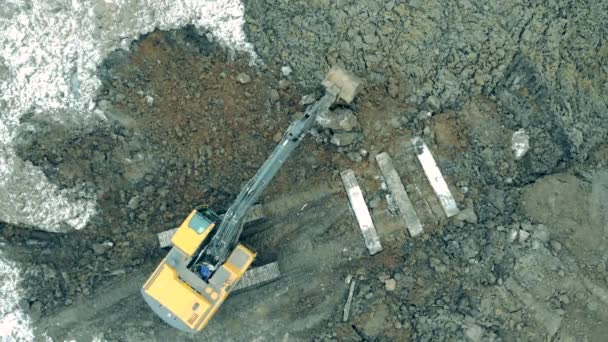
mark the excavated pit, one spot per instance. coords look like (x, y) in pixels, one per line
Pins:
(188, 122)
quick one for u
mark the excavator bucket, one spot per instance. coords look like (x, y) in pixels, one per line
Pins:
(342, 83)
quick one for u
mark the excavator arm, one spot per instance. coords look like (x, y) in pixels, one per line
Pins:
(338, 84)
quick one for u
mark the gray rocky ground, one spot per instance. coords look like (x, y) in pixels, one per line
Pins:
(190, 121)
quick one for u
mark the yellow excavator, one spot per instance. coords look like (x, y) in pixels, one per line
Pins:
(206, 261)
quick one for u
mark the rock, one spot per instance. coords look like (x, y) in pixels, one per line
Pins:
(274, 95)
(434, 103)
(284, 84)
(467, 215)
(393, 87)
(149, 100)
(277, 137)
(513, 233)
(470, 248)
(390, 284)
(243, 78)
(437, 265)
(24, 305)
(523, 235)
(374, 202)
(497, 198)
(555, 245)
(101, 248)
(133, 203)
(48, 272)
(286, 70)
(344, 139)
(36, 311)
(474, 333)
(354, 156)
(338, 120)
(520, 143)
(541, 233)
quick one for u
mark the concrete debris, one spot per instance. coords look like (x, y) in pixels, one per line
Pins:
(433, 174)
(339, 120)
(349, 301)
(358, 206)
(243, 78)
(399, 195)
(164, 237)
(520, 143)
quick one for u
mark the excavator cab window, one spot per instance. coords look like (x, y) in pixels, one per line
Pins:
(199, 223)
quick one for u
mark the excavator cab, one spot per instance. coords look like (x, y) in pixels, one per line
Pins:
(184, 295)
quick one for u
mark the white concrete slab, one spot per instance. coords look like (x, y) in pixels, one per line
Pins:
(433, 174)
(399, 195)
(357, 203)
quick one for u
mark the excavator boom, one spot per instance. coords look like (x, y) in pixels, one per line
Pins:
(338, 83)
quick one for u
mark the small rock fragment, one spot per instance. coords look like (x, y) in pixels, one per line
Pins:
(134, 203)
(344, 139)
(284, 84)
(36, 311)
(308, 99)
(434, 103)
(274, 95)
(467, 215)
(277, 137)
(390, 284)
(474, 333)
(520, 143)
(243, 78)
(437, 265)
(354, 156)
(286, 70)
(523, 235)
(101, 248)
(393, 87)
(555, 245)
(513, 235)
(149, 100)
